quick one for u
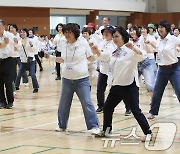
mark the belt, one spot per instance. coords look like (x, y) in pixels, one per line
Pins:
(170, 66)
(5, 58)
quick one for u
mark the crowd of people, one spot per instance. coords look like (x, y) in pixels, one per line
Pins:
(121, 56)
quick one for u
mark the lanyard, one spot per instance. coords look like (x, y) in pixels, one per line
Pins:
(164, 44)
(105, 46)
(116, 54)
(73, 53)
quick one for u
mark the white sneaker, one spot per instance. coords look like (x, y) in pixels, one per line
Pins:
(174, 95)
(60, 130)
(26, 84)
(150, 116)
(95, 131)
(54, 72)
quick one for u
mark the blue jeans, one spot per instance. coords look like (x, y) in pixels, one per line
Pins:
(147, 68)
(24, 66)
(164, 75)
(24, 75)
(82, 89)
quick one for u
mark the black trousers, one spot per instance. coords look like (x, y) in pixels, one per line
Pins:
(58, 54)
(38, 61)
(6, 79)
(101, 88)
(131, 94)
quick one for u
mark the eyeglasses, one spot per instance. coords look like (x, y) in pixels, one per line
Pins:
(68, 32)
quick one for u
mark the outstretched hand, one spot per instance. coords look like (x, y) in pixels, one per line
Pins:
(6, 40)
(94, 49)
(129, 45)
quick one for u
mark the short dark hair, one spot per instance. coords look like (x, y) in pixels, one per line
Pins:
(78, 25)
(14, 26)
(60, 24)
(164, 24)
(25, 30)
(31, 29)
(42, 36)
(138, 33)
(2, 22)
(123, 32)
(145, 27)
(176, 28)
(86, 30)
(73, 28)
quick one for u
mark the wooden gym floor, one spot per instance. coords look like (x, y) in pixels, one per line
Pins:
(29, 126)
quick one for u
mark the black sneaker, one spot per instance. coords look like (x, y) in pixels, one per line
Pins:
(17, 88)
(58, 78)
(2, 106)
(127, 113)
(41, 69)
(99, 110)
(9, 106)
(35, 90)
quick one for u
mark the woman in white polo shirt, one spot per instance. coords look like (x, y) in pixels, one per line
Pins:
(56, 41)
(123, 76)
(75, 51)
(106, 45)
(146, 66)
(14, 31)
(27, 51)
(6, 67)
(169, 69)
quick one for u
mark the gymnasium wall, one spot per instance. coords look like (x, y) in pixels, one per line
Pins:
(27, 17)
(145, 18)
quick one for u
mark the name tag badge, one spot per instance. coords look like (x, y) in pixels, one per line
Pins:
(101, 62)
(109, 70)
(158, 58)
(69, 68)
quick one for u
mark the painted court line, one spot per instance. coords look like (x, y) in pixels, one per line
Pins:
(23, 129)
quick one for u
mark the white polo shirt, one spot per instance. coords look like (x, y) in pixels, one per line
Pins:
(123, 67)
(57, 40)
(166, 48)
(106, 47)
(151, 39)
(17, 46)
(75, 56)
(140, 44)
(8, 51)
(178, 54)
(30, 51)
(36, 44)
